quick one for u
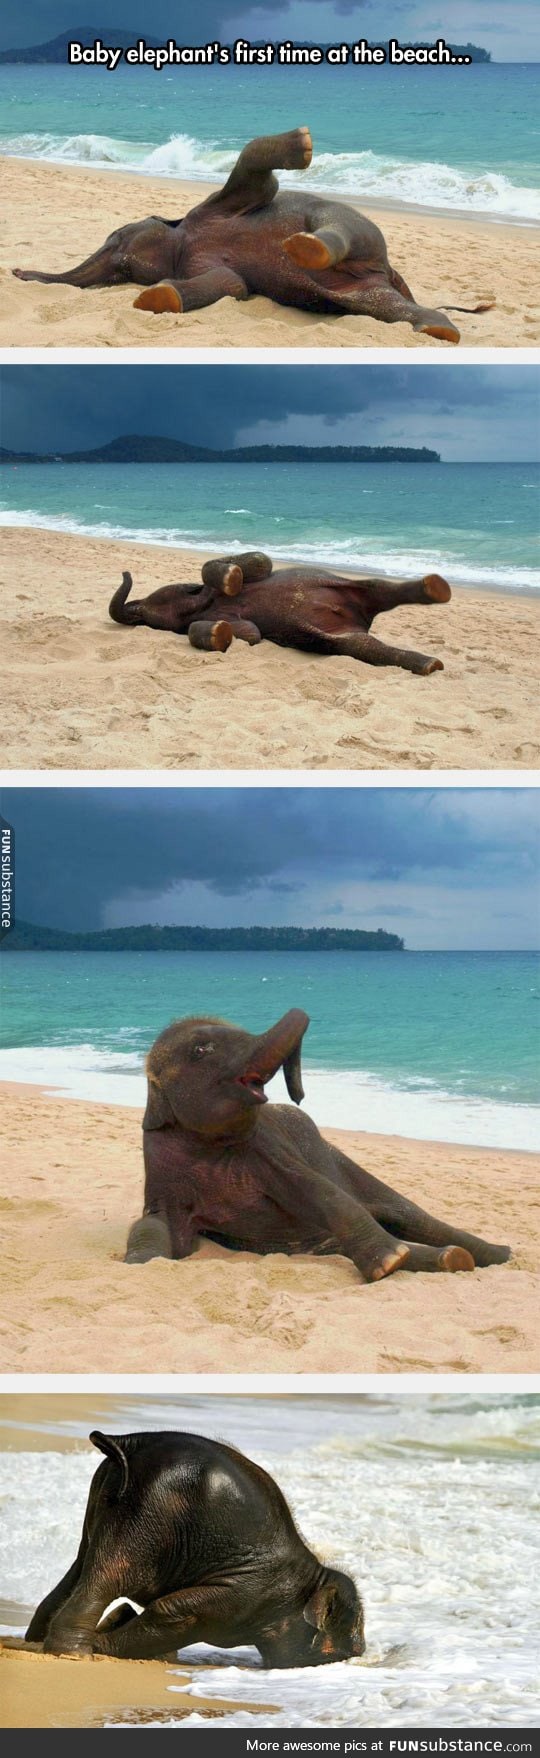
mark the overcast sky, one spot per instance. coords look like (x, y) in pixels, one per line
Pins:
(510, 32)
(446, 868)
(465, 412)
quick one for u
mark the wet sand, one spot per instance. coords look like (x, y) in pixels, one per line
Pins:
(92, 694)
(48, 1690)
(56, 215)
(73, 1181)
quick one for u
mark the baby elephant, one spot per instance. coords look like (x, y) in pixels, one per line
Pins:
(313, 609)
(203, 1540)
(250, 237)
(222, 1163)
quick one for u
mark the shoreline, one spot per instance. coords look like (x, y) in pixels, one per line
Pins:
(59, 213)
(372, 202)
(73, 1178)
(326, 1100)
(97, 695)
(215, 546)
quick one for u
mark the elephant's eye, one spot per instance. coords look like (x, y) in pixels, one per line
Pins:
(202, 1050)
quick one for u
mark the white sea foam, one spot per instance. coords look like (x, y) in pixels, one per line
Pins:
(376, 176)
(338, 552)
(335, 1098)
(452, 1628)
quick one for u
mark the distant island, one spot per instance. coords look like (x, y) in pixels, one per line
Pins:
(133, 448)
(27, 937)
(87, 34)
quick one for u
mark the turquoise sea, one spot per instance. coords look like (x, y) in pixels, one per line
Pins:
(462, 139)
(428, 1501)
(440, 1046)
(478, 523)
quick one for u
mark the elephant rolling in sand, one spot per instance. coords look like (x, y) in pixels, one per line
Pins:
(249, 237)
(203, 1540)
(310, 608)
(222, 1163)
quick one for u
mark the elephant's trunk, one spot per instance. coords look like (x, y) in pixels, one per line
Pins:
(281, 1048)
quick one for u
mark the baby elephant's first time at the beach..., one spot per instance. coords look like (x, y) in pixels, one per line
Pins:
(204, 1542)
(223, 1164)
(249, 237)
(309, 608)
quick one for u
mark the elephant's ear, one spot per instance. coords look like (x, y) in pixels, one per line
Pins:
(158, 1112)
(319, 1608)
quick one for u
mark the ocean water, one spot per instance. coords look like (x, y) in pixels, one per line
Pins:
(478, 523)
(428, 1501)
(440, 1046)
(463, 140)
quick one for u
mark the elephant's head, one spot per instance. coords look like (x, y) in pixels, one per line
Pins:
(208, 1077)
(329, 1627)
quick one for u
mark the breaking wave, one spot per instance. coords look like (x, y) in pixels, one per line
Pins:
(376, 176)
(331, 553)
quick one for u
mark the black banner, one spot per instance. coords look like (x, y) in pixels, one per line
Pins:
(211, 1741)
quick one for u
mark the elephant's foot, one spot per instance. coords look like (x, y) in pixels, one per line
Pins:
(382, 1258)
(432, 1257)
(436, 589)
(485, 1254)
(212, 637)
(440, 328)
(426, 666)
(309, 251)
(297, 151)
(232, 581)
(162, 297)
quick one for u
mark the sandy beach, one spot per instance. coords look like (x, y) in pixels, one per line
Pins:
(56, 215)
(91, 694)
(73, 1182)
(46, 1691)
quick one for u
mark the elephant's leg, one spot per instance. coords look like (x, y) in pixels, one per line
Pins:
(389, 307)
(374, 652)
(55, 1600)
(190, 1615)
(405, 1220)
(386, 595)
(229, 573)
(102, 269)
(212, 637)
(149, 1237)
(245, 631)
(322, 249)
(192, 295)
(251, 183)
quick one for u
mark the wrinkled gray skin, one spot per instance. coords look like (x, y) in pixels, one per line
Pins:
(221, 1162)
(204, 1541)
(297, 248)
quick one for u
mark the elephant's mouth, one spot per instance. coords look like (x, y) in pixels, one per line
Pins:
(253, 1083)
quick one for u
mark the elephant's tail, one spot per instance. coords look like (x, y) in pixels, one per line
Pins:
(119, 610)
(108, 1444)
(472, 309)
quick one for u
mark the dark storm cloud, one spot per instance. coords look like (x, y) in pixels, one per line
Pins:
(79, 849)
(53, 408)
(507, 32)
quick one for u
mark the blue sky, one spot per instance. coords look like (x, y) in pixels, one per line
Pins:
(510, 32)
(465, 412)
(446, 868)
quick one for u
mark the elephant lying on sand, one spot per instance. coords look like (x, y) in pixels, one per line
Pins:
(297, 248)
(310, 608)
(204, 1541)
(221, 1163)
